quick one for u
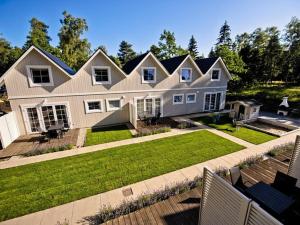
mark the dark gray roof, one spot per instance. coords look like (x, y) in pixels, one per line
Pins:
(58, 62)
(172, 64)
(205, 64)
(130, 65)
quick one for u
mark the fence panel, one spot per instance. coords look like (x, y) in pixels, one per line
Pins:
(294, 166)
(9, 129)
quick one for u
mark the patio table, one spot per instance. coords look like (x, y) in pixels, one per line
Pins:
(270, 198)
(57, 126)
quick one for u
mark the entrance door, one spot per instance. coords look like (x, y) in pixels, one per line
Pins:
(151, 106)
(33, 119)
(212, 101)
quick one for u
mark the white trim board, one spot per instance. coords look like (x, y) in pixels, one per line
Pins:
(112, 92)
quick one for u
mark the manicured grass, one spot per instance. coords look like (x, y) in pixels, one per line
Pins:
(225, 125)
(108, 134)
(39, 186)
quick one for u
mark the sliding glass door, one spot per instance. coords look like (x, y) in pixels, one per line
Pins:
(42, 117)
(212, 101)
(150, 106)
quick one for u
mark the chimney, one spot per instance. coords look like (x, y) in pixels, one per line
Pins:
(284, 102)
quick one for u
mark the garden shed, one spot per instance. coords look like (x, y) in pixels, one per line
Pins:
(244, 109)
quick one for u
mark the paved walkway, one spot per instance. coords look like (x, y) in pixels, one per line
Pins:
(17, 161)
(76, 212)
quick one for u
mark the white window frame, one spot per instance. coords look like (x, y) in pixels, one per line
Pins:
(153, 103)
(109, 109)
(39, 106)
(191, 77)
(30, 79)
(209, 93)
(211, 74)
(94, 74)
(178, 103)
(87, 110)
(148, 81)
(186, 98)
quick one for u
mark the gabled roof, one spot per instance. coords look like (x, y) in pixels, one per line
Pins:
(59, 62)
(137, 61)
(99, 51)
(132, 64)
(206, 64)
(173, 63)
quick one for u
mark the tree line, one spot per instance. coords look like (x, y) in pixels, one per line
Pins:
(265, 55)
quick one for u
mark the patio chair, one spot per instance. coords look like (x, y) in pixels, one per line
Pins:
(154, 120)
(284, 183)
(236, 179)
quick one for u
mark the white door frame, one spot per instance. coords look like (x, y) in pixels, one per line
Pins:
(153, 103)
(209, 93)
(39, 106)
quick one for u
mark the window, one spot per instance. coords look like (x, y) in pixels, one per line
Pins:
(93, 106)
(191, 98)
(101, 75)
(113, 104)
(215, 74)
(186, 75)
(149, 75)
(212, 101)
(178, 99)
(150, 105)
(39, 76)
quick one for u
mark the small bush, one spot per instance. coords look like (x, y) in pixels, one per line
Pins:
(184, 125)
(281, 148)
(250, 161)
(108, 213)
(48, 150)
(147, 131)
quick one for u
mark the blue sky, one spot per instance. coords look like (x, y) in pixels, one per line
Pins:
(141, 22)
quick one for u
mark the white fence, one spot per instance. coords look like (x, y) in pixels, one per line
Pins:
(132, 114)
(222, 204)
(9, 129)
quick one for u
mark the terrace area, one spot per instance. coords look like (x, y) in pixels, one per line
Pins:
(184, 208)
(28, 143)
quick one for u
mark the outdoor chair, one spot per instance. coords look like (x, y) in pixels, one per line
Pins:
(236, 179)
(155, 120)
(284, 183)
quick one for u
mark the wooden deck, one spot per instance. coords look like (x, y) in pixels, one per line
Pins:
(28, 143)
(183, 209)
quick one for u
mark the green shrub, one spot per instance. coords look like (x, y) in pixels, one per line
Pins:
(281, 148)
(108, 213)
(48, 150)
(147, 131)
(250, 161)
(184, 125)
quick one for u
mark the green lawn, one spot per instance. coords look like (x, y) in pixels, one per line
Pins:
(225, 125)
(108, 134)
(39, 186)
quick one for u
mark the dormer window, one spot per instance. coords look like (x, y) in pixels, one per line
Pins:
(186, 75)
(39, 76)
(101, 75)
(148, 75)
(215, 74)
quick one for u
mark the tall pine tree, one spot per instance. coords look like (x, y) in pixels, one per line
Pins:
(38, 35)
(167, 45)
(224, 36)
(74, 50)
(193, 48)
(126, 52)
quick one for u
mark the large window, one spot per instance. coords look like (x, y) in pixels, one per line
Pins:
(39, 76)
(178, 99)
(212, 101)
(215, 74)
(148, 105)
(186, 75)
(101, 75)
(38, 118)
(113, 104)
(93, 106)
(148, 75)
(191, 98)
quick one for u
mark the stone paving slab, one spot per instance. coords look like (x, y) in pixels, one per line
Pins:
(74, 212)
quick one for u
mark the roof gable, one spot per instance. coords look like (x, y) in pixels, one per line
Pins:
(99, 51)
(206, 63)
(173, 63)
